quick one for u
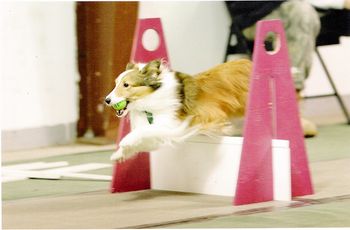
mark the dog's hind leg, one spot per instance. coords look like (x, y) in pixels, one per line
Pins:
(234, 127)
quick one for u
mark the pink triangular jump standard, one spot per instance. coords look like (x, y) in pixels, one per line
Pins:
(272, 113)
(134, 174)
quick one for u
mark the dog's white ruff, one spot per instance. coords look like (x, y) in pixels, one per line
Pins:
(166, 128)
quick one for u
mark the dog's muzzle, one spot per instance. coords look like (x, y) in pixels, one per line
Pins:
(111, 101)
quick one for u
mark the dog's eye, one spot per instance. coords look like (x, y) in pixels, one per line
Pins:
(126, 85)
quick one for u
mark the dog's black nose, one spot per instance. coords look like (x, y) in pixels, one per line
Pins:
(108, 100)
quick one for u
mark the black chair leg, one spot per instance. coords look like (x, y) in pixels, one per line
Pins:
(341, 103)
(228, 46)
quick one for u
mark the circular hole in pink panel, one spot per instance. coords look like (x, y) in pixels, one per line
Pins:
(272, 43)
(150, 40)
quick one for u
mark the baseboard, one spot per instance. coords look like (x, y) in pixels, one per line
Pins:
(325, 110)
(13, 140)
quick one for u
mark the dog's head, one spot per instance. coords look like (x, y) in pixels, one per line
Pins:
(136, 82)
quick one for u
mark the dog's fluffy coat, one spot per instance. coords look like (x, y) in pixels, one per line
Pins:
(181, 105)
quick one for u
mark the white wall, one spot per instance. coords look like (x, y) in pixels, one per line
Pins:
(195, 32)
(39, 64)
(196, 35)
(337, 59)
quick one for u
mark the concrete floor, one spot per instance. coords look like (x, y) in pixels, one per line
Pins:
(71, 203)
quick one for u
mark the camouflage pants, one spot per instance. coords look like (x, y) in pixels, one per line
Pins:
(302, 25)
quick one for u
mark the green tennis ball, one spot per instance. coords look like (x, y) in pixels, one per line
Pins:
(120, 105)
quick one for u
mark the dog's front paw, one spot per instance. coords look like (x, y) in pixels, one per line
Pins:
(117, 156)
(132, 139)
(122, 154)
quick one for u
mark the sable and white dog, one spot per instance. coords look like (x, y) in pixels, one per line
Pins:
(167, 107)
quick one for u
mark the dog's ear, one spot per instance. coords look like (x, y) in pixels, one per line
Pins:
(153, 82)
(152, 68)
(150, 73)
(130, 66)
(155, 64)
